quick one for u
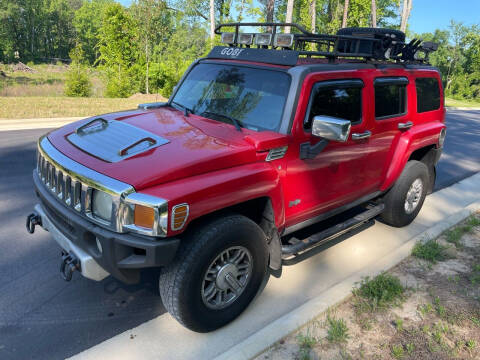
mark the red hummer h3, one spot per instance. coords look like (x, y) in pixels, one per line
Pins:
(265, 136)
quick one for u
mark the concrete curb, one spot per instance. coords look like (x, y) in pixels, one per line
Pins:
(289, 323)
(40, 123)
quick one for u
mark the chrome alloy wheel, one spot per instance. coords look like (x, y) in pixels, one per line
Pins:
(227, 277)
(414, 195)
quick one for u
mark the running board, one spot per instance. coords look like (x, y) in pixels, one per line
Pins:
(331, 233)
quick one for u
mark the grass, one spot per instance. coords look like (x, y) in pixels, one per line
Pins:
(40, 94)
(337, 331)
(49, 107)
(306, 343)
(454, 235)
(47, 80)
(461, 103)
(397, 351)
(381, 292)
(431, 251)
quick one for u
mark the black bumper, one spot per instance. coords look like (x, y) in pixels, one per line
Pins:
(123, 255)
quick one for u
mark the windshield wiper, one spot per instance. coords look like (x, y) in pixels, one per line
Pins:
(185, 109)
(238, 125)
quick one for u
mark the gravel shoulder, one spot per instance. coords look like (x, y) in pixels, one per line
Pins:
(435, 316)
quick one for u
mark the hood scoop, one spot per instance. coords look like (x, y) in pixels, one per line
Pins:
(113, 141)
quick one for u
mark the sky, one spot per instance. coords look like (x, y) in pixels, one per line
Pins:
(428, 15)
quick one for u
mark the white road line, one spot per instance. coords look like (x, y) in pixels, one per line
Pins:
(41, 123)
(302, 292)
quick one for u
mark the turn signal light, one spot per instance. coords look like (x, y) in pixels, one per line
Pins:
(179, 216)
(144, 216)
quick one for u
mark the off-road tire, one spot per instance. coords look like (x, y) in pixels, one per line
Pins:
(352, 31)
(180, 283)
(394, 200)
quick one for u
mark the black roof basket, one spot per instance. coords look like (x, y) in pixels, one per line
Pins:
(380, 46)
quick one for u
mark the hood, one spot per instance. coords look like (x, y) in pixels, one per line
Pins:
(185, 146)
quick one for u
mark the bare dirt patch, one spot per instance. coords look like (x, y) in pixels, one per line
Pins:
(438, 316)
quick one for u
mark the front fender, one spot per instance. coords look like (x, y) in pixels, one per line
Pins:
(220, 189)
(409, 141)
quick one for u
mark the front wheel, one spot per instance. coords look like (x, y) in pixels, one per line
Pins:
(405, 199)
(217, 272)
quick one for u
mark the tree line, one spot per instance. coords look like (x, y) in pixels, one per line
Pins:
(147, 46)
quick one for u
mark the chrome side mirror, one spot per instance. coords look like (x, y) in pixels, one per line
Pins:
(331, 128)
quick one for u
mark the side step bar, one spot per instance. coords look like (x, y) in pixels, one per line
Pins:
(331, 233)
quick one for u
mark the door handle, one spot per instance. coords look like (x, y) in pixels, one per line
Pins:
(405, 126)
(364, 135)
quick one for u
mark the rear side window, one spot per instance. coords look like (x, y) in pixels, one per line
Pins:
(341, 99)
(390, 97)
(428, 94)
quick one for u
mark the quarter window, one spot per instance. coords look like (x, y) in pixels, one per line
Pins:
(341, 99)
(428, 94)
(390, 97)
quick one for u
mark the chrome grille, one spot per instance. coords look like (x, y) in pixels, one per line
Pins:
(72, 192)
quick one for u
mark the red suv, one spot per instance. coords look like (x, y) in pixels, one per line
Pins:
(260, 139)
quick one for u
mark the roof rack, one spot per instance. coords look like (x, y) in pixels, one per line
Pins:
(381, 45)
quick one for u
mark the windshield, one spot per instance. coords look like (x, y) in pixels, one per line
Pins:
(253, 97)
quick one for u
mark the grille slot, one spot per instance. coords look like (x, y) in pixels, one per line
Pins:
(71, 192)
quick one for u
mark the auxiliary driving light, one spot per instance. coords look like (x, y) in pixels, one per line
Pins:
(228, 38)
(283, 40)
(245, 39)
(263, 39)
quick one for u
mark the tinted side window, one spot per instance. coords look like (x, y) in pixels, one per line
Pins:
(428, 94)
(390, 97)
(340, 99)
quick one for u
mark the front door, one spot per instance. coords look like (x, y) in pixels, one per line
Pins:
(341, 172)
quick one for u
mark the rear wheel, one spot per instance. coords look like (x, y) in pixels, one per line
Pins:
(405, 199)
(217, 272)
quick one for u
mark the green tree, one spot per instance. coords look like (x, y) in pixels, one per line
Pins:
(155, 22)
(87, 22)
(172, 58)
(118, 46)
(78, 83)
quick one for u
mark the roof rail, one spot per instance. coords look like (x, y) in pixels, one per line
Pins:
(379, 45)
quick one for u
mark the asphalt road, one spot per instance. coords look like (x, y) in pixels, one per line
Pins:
(43, 317)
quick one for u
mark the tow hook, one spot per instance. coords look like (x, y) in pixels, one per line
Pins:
(69, 264)
(32, 220)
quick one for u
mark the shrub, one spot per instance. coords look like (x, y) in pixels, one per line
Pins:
(78, 83)
(382, 291)
(431, 251)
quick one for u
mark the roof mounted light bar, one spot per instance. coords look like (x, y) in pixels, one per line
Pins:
(376, 46)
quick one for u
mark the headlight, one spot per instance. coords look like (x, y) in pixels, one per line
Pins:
(102, 205)
(145, 214)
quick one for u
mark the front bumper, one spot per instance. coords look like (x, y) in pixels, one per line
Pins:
(121, 255)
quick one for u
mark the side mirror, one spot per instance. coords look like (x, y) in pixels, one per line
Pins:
(331, 128)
